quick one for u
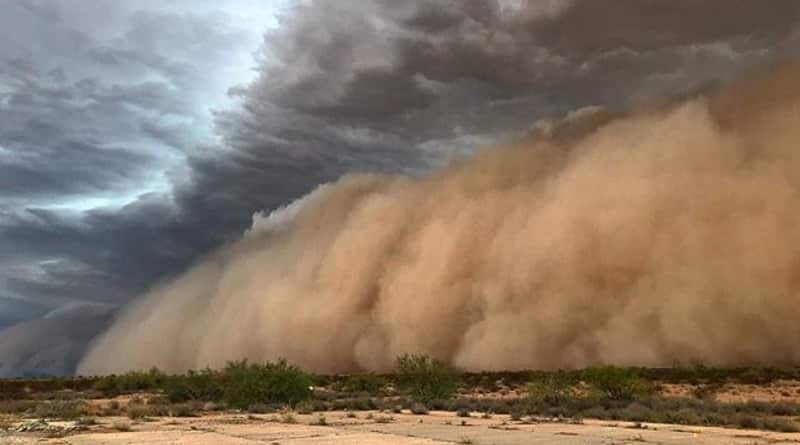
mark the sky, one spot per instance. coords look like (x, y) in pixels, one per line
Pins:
(138, 136)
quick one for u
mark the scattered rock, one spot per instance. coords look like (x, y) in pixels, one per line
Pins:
(41, 426)
(37, 426)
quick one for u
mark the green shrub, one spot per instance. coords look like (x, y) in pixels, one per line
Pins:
(781, 425)
(245, 384)
(616, 383)
(368, 383)
(131, 381)
(305, 407)
(195, 385)
(106, 384)
(425, 379)
(553, 388)
(260, 408)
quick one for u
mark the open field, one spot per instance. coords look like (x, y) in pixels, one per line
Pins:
(375, 428)
(423, 402)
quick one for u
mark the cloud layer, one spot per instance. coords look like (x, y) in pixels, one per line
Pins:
(665, 236)
(114, 175)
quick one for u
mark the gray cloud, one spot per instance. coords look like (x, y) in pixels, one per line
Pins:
(110, 100)
(52, 344)
(646, 25)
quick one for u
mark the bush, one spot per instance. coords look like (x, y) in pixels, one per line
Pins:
(139, 412)
(425, 379)
(781, 425)
(63, 410)
(260, 408)
(16, 406)
(305, 407)
(553, 388)
(418, 409)
(195, 385)
(245, 384)
(131, 381)
(368, 383)
(616, 383)
(121, 425)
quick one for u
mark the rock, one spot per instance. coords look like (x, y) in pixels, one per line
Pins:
(36, 426)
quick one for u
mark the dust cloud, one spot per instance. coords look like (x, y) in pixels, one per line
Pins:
(667, 235)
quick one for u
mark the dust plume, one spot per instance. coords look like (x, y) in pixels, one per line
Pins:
(670, 234)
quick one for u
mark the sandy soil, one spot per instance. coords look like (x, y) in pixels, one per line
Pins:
(780, 391)
(381, 428)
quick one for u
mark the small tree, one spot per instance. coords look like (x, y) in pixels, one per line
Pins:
(425, 379)
(195, 385)
(245, 384)
(617, 383)
(553, 388)
(368, 383)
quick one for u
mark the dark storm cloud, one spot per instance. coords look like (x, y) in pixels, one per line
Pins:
(14, 310)
(101, 256)
(99, 101)
(645, 25)
(52, 344)
(408, 76)
(364, 85)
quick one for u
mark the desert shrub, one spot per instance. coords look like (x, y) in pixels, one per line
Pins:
(383, 419)
(305, 407)
(359, 383)
(106, 384)
(121, 425)
(86, 421)
(142, 381)
(62, 409)
(617, 383)
(748, 422)
(131, 381)
(357, 404)
(419, 409)
(245, 383)
(136, 412)
(188, 409)
(158, 410)
(425, 379)
(553, 388)
(757, 375)
(16, 406)
(707, 391)
(260, 408)
(288, 418)
(781, 425)
(194, 385)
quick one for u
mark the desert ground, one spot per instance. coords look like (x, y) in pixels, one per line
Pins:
(596, 406)
(375, 428)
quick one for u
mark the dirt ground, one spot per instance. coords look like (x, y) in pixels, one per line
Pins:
(374, 428)
(781, 391)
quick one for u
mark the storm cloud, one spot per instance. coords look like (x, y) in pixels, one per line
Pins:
(115, 174)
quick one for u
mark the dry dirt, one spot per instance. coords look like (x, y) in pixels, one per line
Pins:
(381, 428)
